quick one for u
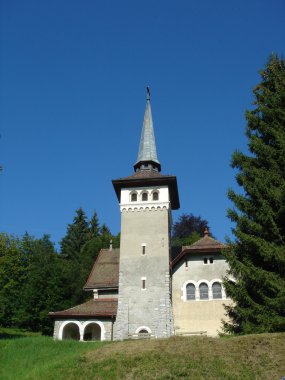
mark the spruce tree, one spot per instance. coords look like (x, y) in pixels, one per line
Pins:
(94, 226)
(256, 280)
(77, 235)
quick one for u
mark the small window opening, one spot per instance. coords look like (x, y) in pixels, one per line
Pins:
(186, 262)
(143, 250)
(134, 197)
(211, 260)
(144, 197)
(205, 260)
(143, 284)
(155, 196)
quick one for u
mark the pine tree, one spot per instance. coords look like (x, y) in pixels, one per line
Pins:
(256, 280)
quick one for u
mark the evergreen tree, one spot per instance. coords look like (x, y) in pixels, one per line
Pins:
(42, 291)
(257, 256)
(77, 235)
(106, 236)
(94, 227)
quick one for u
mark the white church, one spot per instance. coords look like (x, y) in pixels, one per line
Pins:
(140, 290)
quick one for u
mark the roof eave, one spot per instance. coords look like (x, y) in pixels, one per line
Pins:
(171, 181)
(62, 315)
(195, 251)
(101, 287)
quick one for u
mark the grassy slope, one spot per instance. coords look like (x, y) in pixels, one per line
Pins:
(247, 357)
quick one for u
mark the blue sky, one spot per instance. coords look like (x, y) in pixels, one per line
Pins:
(73, 77)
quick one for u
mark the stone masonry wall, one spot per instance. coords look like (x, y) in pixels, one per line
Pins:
(150, 307)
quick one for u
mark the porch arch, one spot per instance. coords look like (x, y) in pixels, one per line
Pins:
(70, 330)
(93, 330)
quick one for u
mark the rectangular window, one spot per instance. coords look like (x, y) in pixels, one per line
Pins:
(143, 250)
(143, 283)
(208, 260)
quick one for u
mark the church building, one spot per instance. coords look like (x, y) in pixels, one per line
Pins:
(143, 290)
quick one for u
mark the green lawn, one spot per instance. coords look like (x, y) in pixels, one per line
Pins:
(248, 357)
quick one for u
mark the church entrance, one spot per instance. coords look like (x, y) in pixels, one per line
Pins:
(92, 332)
(71, 331)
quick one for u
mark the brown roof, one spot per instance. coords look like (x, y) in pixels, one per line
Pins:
(146, 173)
(205, 242)
(95, 307)
(105, 271)
(204, 245)
(149, 177)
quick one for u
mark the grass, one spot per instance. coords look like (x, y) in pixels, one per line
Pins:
(247, 357)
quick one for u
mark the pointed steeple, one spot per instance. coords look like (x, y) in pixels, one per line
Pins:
(147, 156)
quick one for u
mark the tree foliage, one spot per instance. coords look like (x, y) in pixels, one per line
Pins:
(35, 279)
(257, 256)
(188, 229)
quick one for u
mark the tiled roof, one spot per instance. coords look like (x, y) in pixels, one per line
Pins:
(205, 245)
(94, 307)
(105, 271)
(205, 242)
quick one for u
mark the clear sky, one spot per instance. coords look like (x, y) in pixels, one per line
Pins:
(73, 78)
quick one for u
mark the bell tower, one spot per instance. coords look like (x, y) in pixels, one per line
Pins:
(146, 199)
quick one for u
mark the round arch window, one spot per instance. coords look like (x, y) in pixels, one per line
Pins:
(204, 291)
(144, 197)
(155, 196)
(134, 197)
(217, 290)
(190, 292)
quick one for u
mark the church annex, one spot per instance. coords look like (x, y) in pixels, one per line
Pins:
(141, 289)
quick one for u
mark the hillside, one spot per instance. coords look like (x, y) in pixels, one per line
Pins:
(247, 357)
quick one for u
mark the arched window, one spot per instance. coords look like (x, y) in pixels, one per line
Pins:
(217, 290)
(204, 291)
(155, 196)
(143, 331)
(144, 197)
(134, 197)
(190, 292)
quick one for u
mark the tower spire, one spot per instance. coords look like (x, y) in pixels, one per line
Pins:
(147, 156)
